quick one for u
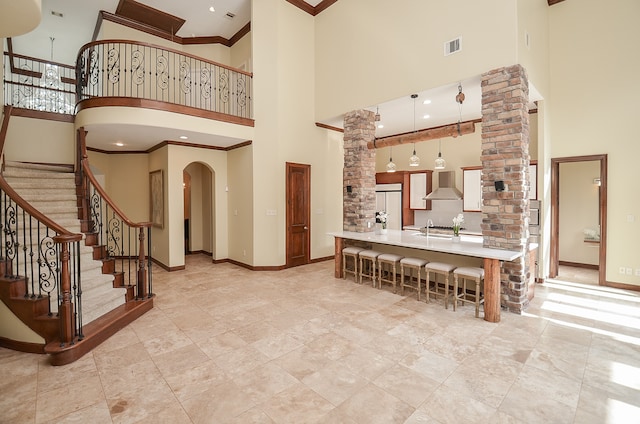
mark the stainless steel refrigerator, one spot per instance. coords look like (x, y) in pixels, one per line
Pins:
(389, 199)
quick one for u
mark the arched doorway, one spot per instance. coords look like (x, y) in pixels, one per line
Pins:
(199, 209)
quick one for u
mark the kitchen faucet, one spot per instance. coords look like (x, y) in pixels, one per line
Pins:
(429, 225)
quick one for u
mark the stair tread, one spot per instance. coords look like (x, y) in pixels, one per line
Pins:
(51, 189)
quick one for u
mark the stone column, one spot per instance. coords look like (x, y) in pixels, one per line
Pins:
(505, 157)
(359, 173)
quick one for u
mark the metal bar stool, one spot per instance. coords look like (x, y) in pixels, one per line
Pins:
(467, 274)
(387, 263)
(411, 264)
(367, 268)
(443, 269)
(350, 252)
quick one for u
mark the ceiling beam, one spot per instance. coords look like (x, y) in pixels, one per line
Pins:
(452, 130)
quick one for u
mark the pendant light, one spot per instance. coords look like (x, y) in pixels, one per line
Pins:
(391, 167)
(459, 99)
(440, 162)
(414, 160)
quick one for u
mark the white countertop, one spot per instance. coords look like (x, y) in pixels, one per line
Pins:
(439, 231)
(468, 246)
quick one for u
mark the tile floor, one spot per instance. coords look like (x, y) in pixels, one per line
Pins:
(227, 345)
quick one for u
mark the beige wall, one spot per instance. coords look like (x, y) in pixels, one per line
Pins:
(160, 242)
(240, 204)
(127, 183)
(533, 21)
(161, 119)
(593, 96)
(579, 211)
(215, 52)
(39, 140)
(284, 64)
(241, 53)
(368, 51)
(11, 328)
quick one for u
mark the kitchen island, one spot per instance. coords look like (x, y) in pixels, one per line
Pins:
(468, 245)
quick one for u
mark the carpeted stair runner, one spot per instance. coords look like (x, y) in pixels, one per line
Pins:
(51, 190)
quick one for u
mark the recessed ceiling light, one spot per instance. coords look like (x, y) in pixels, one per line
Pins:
(380, 126)
(212, 9)
(183, 137)
(119, 144)
(426, 102)
(426, 117)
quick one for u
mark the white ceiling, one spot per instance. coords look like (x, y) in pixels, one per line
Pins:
(76, 28)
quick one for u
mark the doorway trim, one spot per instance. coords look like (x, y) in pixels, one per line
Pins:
(555, 214)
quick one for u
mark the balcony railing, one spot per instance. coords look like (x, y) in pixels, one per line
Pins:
(40, 85)
(119, 68)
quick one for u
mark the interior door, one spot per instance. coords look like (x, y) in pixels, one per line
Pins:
(298, 214)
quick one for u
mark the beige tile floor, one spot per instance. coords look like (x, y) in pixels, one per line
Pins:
(226, 345)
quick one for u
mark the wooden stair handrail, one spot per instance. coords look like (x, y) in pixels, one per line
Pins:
(5, 128)
(105, 196)
(166, 49)
(86, 169)
(26, 206)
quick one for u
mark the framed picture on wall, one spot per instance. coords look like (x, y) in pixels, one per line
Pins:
(157, 198)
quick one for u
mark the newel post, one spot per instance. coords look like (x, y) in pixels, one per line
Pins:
(142, 271)
(66, 307)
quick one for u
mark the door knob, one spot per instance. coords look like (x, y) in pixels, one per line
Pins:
(306, 228)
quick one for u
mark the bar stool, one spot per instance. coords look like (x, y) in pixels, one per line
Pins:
(412, 264)
(350, 252)
(387, 263)
(367, 268)
(443, 269)
(467, 274)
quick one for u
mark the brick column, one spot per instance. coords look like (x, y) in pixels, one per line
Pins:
(359, 173)
(505, 157)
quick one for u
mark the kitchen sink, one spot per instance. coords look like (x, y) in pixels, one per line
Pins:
(442, 236)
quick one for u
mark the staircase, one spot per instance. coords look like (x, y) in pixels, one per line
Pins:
(52, 190)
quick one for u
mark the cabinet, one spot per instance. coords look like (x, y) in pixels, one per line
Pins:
(472, 186)
(417, 190)
(472, 189)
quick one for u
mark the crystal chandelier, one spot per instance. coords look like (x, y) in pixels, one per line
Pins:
(50, 95)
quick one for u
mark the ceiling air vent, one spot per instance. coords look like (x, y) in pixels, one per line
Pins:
(453, 46)
(229, 15)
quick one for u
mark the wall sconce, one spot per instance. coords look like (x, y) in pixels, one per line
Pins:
(597, 181)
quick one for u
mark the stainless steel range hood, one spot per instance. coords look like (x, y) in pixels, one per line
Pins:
(446, 187)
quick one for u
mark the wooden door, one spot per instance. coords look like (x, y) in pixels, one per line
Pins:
(298, 214)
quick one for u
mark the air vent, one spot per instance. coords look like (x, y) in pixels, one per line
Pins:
(453, 46)
(229, 15)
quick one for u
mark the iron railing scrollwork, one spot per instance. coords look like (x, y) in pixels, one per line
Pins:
(125, 242)
(37, 84)
(33, 250)
(119, 68)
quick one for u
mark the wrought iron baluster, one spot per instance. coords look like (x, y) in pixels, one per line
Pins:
(77, 284)
(24, 242)
(31, 275)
